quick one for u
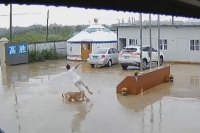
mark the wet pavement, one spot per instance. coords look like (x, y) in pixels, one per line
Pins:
(31, 102)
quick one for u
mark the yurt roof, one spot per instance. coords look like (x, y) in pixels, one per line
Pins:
(94, 33)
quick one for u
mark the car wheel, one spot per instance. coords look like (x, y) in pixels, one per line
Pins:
(124, 67)
(92, 65)
(144, 64)
(109, 64)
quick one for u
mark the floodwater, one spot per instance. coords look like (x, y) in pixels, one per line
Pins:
(31, 102)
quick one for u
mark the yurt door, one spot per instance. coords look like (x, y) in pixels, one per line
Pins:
(86, 49)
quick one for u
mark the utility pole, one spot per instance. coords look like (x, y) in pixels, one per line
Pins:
(150, 41)
(11, 23)
(141, 58)
(158, 40)
(172, 20)
(47, 26)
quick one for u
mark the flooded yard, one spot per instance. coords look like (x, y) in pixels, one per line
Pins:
(31, 102)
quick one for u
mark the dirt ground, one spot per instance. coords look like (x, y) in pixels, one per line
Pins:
(31, 102)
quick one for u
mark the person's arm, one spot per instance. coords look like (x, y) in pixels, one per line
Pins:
(77, 65)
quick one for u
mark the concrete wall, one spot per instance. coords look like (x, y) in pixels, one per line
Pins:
(178, 40)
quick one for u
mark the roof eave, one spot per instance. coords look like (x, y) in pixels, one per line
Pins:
(184, 8)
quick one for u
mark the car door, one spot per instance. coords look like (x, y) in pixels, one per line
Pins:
(115, 55)
(111, 55)
(145, 53)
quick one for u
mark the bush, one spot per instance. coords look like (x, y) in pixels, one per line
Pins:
(36, 56)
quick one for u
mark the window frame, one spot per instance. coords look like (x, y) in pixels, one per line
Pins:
(193, 47)
(115, 50)
(131, 42)
(111, 50)
(162, 45)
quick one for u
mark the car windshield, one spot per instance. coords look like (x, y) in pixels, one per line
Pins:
(99, 51)
(129, 49)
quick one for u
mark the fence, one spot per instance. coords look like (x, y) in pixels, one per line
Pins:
(59, 46)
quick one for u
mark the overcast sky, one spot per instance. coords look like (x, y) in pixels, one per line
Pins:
(28, 15)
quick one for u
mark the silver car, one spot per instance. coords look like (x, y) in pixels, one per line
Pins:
(103, 57)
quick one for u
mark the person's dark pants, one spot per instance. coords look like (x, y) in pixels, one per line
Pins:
(1, 131)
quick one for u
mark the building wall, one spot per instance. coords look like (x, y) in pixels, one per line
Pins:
(178, 41)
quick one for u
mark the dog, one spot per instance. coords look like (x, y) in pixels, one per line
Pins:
(76, 96)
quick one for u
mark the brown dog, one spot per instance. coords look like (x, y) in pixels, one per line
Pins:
(76, 96)
(69, 96)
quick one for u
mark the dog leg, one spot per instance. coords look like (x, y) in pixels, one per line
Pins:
(70, 100)
(84, 96)
(87, 99)
(64, 98)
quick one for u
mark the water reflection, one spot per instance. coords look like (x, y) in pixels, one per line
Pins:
(143, 124)
(83, 110)
(16, 105)
(22, 73)
(138, 103)
(160, 114)
(12, 76)
(86, 68)
(194, 80)
(152, 118)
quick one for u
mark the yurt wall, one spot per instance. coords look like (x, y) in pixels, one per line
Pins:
(74, 51)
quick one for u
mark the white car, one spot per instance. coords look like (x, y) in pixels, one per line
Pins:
(130, 56)
(103, 57)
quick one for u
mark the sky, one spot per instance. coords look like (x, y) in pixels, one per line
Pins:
(24, 15)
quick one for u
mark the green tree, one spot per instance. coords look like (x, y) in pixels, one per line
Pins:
(37, 33)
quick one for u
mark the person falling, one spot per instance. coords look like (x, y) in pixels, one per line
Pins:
(77, 80)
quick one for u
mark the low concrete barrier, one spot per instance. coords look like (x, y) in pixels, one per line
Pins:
(145, 81)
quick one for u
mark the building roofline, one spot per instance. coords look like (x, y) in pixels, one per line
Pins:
(146, 26)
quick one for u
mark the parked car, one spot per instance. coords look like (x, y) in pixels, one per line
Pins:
(130, 56)
(103, 57)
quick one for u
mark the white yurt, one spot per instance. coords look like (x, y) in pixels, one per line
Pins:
(94, 36)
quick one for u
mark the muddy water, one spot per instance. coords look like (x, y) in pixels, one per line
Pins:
(30, 101)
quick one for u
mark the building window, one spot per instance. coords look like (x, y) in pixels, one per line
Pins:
(163, 44)
(133, 42)
(194, 45)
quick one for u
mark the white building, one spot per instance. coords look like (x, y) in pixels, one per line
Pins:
(94, 36)
(178, 43)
